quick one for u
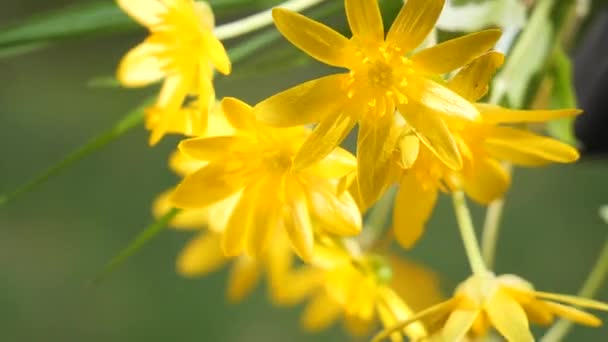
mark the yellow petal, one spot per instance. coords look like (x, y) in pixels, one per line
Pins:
(416, 284)
(399, 312)
(340, 215)
(183, 164)
(339, 163)
(365, 20)
(573, 300)
(314, 38)
(219, 213)
(239, 224)
(206, 186)
(205, 13)
(458, 324)
(328, 134)
(192, 219)
(537, 312)
(306, 103)
(243, 278)
(264, 219)
(455, 53)
(486, 180)
(434, 133)
(320, 313)
(146, 12)
(298, 285)
(216, 53)
(409, 147)
(436, 97)
(413, 207)
(201, 255)
(141, 66)
(526, 148)
(414, 22)
(239, 114)
(297, 223)
(213, 148)
(374, 156)
(508, 317)
(173, 92)
(574, 315)
(472, 81)
(495, 114)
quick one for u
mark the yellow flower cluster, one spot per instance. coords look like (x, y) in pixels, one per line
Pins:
(260, 186)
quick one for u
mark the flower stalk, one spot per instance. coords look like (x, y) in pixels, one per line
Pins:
(259, 20)
(467, 233)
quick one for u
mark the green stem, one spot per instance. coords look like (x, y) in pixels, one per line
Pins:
(491, 226)
(375, 223)
(140, 240)
(593, 283)
(467, 233)
(259, 20)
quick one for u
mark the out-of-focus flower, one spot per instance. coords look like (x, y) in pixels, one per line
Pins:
(506, 303)
(380, 79)
(483, 144)
(255, 165)
(182, 50)
(358, 287)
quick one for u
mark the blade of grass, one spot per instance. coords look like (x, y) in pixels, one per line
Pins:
(140, 240)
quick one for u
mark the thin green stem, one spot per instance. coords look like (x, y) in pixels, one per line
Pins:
(593, 283)
(491, 226)
(376, 220)
(140, 240)
(467, 233)
(259, 20)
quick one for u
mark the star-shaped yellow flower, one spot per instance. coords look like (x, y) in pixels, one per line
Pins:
(483, 144)
(358, 287)
(506, 303)
(182, 50)
(380, 78)
(256, 166)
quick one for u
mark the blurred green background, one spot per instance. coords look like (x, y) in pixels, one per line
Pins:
(54, 240)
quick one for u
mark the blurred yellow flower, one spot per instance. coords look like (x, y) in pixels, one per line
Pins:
(255, 165)
(506, 303)
(380, 79)
(483, 144)
(182, 50)
(358, 287)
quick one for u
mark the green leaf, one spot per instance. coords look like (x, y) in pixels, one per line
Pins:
(129, 121)
(477, 15)
(527, 57)
(140, 240)
(80, 20)
(563, 96)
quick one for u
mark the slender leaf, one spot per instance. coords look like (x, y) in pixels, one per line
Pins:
(563, 96)
(140, 240)
(129, 121)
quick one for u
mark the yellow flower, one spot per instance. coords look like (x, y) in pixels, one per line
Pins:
(182, 50)
(380, 79)
(359, 288)
(483, 144)
(256, 166)
(203, 254)
(507, 303)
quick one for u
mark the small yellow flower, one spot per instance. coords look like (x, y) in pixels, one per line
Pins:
(380, 79)
(359, 289)
(203, 254)
(483, 144)
(182, 50)
(507, 303)
(255, 165)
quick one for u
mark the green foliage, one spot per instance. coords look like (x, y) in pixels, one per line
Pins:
(563, 96)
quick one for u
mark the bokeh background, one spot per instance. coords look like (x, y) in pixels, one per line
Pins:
(56, 239)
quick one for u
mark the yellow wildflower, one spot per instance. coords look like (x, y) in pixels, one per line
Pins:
(182, 50)
(507, 303)
(483, 144)
(380, 79)
(359, 288)
(256, 166)
(203, 254)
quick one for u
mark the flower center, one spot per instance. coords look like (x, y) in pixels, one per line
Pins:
(380, 79)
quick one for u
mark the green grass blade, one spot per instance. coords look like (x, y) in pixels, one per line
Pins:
(140, 240)
(129, 121)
